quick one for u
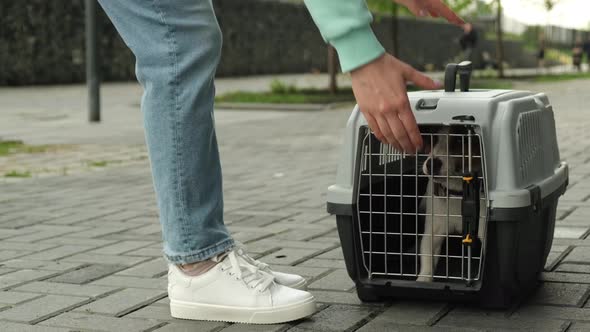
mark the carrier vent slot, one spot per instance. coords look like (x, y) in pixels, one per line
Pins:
(529, 136)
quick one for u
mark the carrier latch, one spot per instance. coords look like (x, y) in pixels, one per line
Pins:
(470, 212)
(470, 207)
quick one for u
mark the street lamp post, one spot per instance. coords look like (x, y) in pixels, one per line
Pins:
(92, 70)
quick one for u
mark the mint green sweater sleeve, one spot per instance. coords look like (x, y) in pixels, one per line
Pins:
(345, 24)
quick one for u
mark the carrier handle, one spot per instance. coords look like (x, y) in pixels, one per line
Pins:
(464, 70)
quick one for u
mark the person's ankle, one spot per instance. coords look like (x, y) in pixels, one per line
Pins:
(195, 269)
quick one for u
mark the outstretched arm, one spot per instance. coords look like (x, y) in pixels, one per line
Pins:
(378, 79)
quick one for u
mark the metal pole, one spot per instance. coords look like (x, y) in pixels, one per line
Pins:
(92, 71)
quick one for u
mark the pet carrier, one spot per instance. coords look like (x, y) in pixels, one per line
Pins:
(471, 216)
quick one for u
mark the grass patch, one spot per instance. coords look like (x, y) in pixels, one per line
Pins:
(17, 174)
(286, 94)
(303, 96)
(14, 147)
(560, 77)
(98, 163)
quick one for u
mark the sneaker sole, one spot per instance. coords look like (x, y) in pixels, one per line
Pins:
(219, 313)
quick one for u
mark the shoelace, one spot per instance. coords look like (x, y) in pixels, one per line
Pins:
(241, 251)
(249, 273)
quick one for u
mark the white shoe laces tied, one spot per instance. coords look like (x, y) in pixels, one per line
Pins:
(241, 251)
(249, 273)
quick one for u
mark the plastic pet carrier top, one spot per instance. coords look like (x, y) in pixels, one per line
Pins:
(471, 216)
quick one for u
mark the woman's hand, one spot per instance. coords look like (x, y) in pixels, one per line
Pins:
(434, 8)
(380, 90)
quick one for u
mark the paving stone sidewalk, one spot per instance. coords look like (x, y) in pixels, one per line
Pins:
(82, 252)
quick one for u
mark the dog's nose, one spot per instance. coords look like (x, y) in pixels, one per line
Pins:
(433, 166)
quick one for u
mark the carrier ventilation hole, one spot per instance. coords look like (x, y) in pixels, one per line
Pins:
(528, 135)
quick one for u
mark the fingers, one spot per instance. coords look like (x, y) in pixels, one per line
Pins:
(419, 79)
(440, 9)
(434, 8)
(390, 137)
(376, 126)
(413, 6)
(400, 132)
(409, 122)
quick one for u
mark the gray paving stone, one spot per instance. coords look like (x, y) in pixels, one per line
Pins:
(45, 287)
(65, 240)
(288, 256)
(147, 269)
(40, 232)
(40, 265)
(497, 321)
(132, 282)
(332, 254)
(413, 313)
(163, 302)
(256, 328)
(578, 255)
(79, 216)
(104, 259)
(335, 280)
(21, 277)
(9, 254)
(121, 247)
(18, 327)
(303, 234)
(575, 268)
(579, 327)
(9, 245)
(122, 302)
(325, 263)
(335, 318)
(385, 325)
(99, 231)
(145, 252)
(552, 312)
(570, 232)
(87, 274)
(565, 277)
(192, 326)
(7, 233)
(153, 311)
(73, 320)
(333, 297)
(306, 272)
(561, 294)
(41, 308)
(269, 243)
(57, 253)
(9, 297)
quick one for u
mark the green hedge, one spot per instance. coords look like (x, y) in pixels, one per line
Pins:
(42, 42)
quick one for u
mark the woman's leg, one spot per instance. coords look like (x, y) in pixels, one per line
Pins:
(177, 45)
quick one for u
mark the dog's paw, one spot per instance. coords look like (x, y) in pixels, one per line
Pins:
(424, 279)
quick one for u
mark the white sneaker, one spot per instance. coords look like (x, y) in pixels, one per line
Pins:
(235, 291)
(286, 279)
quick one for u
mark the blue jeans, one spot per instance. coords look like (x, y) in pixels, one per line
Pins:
(177, 45)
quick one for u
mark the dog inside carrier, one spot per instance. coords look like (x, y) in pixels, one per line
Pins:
(422, 216)
(469, 217)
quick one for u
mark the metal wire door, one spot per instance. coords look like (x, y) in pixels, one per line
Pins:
(396, 198)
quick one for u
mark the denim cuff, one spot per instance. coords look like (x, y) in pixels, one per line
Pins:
(202, 254)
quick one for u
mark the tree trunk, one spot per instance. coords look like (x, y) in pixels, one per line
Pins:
(499, 41)
(332, 69)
